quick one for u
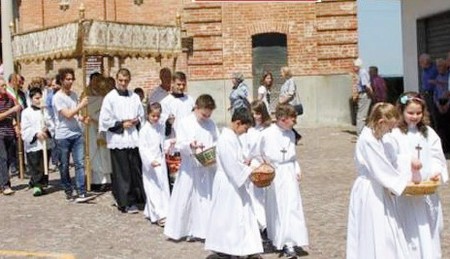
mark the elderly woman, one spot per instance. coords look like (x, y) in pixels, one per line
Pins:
(239, 93)
(288, 91)
(288, 94)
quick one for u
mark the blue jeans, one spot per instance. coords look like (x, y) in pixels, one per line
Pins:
(74, 145)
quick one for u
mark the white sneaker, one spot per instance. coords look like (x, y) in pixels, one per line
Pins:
(83, 198)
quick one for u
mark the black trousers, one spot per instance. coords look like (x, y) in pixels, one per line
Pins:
(7, 153)
(36, 166)
(126, 177)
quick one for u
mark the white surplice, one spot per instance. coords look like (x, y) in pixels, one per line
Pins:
(116, 108)
(258, 195)
(233, 227)
(421, 216)
(284, 210)
(156, 183)
(33, 121)
(180, 107)
(99, 154)
(374, 229)
(191, 195)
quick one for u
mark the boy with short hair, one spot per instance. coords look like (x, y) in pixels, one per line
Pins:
(233, 227)
(286, 226)
(36, 128)
(191, 197)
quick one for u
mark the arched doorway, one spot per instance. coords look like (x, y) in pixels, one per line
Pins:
(269, 53)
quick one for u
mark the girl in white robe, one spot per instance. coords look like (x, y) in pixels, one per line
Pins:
(233, 227)
(421, 216)
(154, 169)
(250, 140)
(374, 229)
(286, 226)
(190, 202)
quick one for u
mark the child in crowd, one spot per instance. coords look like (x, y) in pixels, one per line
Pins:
(233, 227)
(373, 223)
(154, 170)
(262, 121)
(36, 127)
(190, 202)
(421, 216)
(286, 226)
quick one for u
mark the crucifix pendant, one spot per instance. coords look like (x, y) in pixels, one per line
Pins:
(284, 153)
(418, 148)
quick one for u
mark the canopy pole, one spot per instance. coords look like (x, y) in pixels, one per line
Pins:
(85, 113)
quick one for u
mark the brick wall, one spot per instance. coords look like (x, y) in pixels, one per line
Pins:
(321, 38)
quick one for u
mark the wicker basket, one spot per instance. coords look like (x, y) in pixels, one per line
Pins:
(173, 163)
(207, 157)
(263, 175)
(423, 188)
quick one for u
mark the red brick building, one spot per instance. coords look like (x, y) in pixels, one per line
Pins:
(317, 40)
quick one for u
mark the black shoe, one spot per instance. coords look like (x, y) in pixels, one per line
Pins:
(289, 252)
(219, 256)
(133, 209)
(69, 196)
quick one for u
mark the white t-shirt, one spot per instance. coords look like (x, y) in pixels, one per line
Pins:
(65, 128)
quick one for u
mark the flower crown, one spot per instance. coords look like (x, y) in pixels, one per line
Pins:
(405, 98)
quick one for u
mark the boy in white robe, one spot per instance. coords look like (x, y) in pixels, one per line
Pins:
(154, 170)
(37, 129)
(374, 229)
(190, 202)
(120, 117)
(421, 216)
(233, 227)
(176, 106)
(286, 226)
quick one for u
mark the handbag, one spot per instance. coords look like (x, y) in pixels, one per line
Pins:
(299, 109)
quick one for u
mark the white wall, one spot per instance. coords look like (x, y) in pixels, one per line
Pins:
(411, 11)
(325, 99)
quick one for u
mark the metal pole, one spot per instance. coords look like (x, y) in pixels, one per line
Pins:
(7, 18)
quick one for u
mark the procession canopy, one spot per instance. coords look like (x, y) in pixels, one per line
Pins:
(91, 37)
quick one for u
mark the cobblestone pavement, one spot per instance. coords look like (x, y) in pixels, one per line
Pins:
(50, 227)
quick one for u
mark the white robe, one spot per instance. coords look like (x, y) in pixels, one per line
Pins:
(233, 227)
(32, 121)
(421, 216)
(178, 107)
(373, 229)
(116, 108)
(98, 153)
(191, 195)
(258, 195)
(156, 183)
(284, 210)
